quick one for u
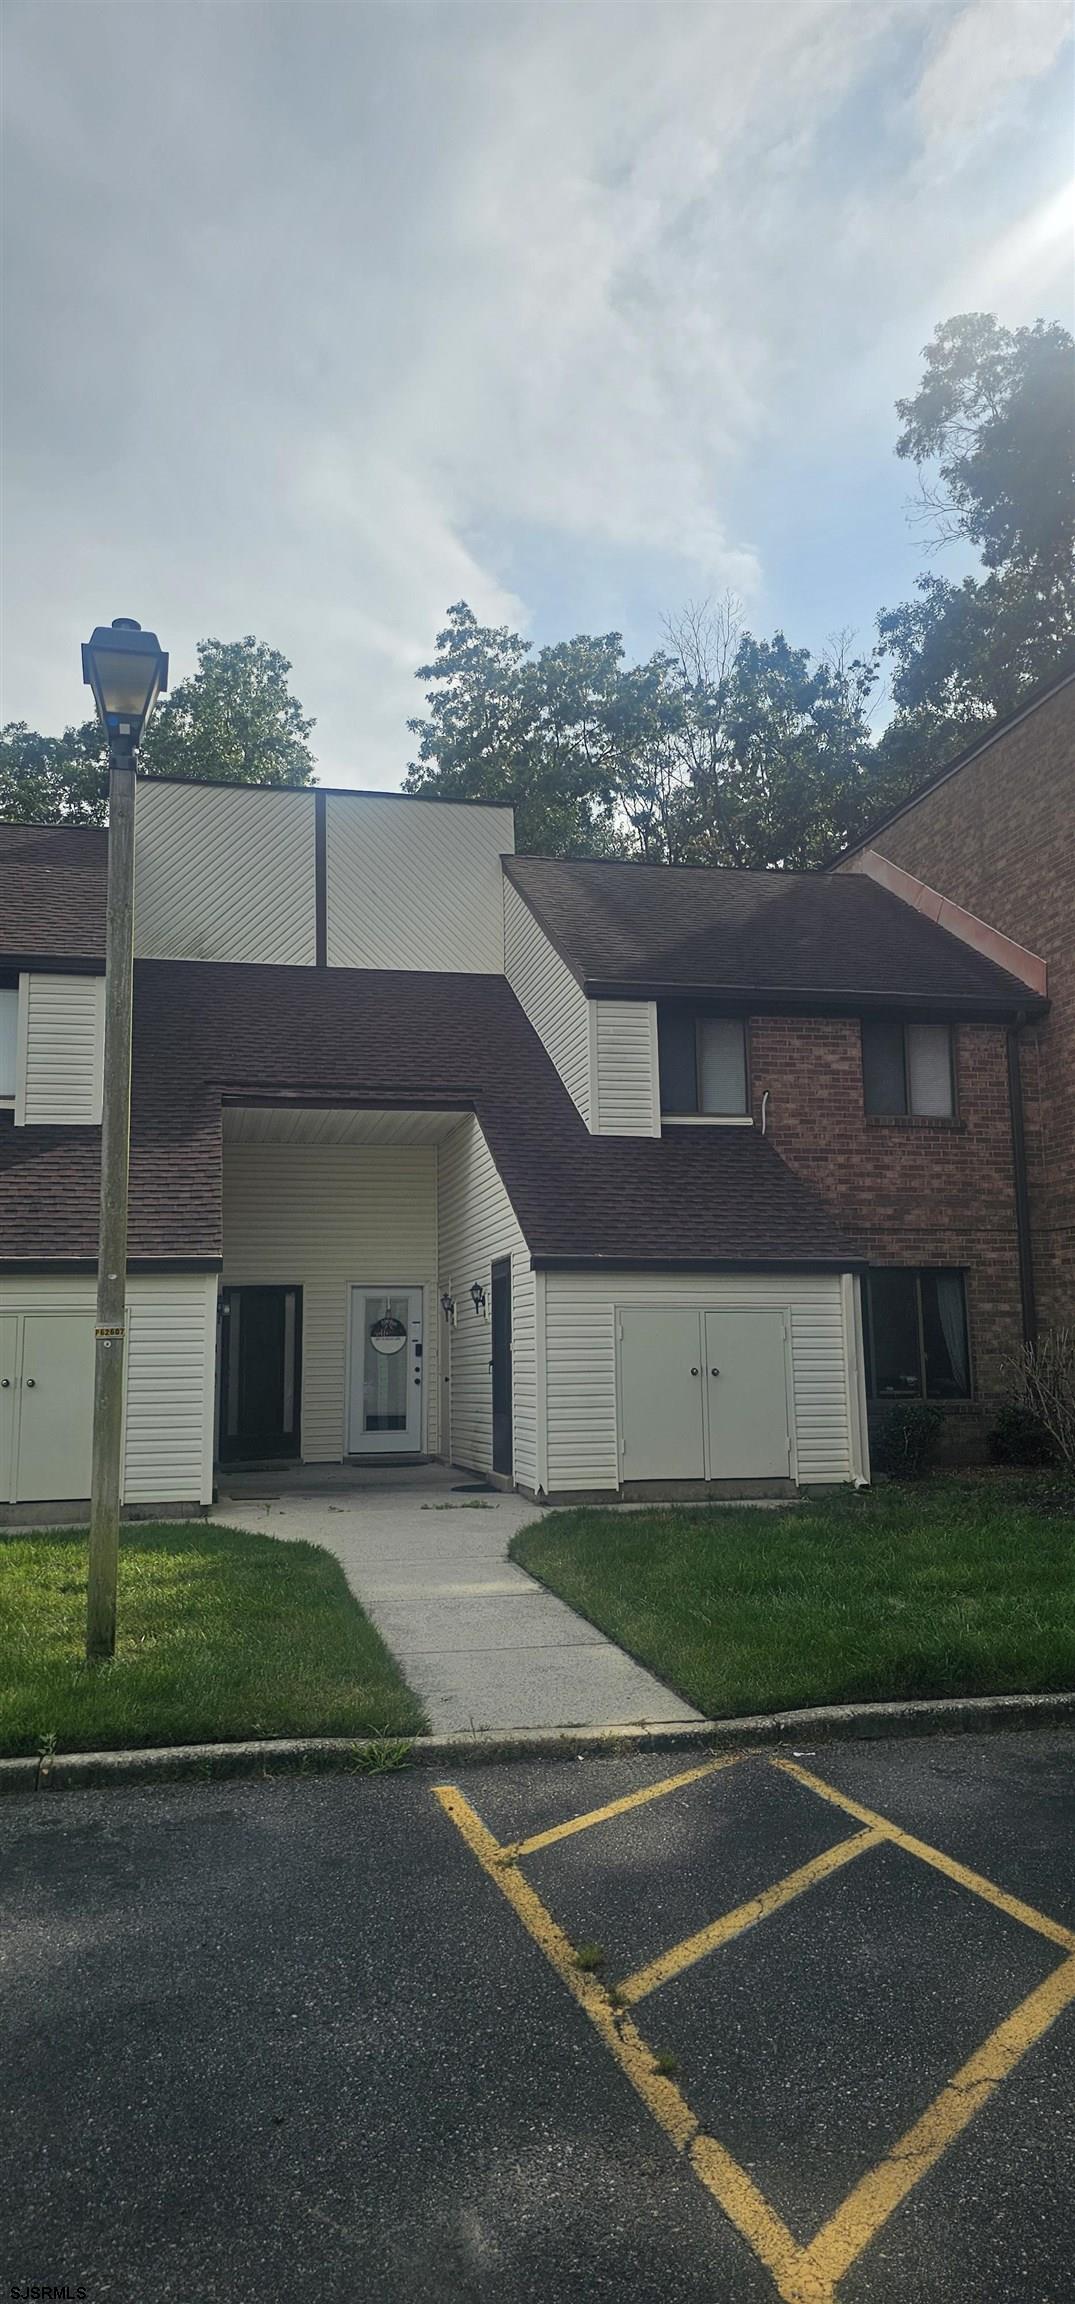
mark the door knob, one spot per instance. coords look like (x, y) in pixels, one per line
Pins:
(30, 1382)
(714, 1371)
(694, 1371)
(5, 1383)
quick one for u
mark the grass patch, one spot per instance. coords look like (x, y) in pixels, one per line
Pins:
(223, 1634)
(950, 1588)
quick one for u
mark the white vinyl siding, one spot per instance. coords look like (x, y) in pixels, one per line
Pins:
(415, 884)
(478, 1225)
(627, 1101)
(580, 1346)
(171, 1381)
(547, 992)
(322, 1218)
(61, 1068)
(224, 874)
(171, 1355)
(9, 1041)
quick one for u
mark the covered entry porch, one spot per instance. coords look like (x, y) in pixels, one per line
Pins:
(329, 1320)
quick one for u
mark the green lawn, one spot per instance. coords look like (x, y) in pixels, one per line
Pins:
(952, 1588)
(222, 1635)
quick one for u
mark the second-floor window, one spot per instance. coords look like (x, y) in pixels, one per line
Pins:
(703, 1065)
(9, 1021)
(907, 1068)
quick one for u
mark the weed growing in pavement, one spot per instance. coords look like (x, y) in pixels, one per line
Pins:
(479, 1505)
(589, 1956)
(383, 1756)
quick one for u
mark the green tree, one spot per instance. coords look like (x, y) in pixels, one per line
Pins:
(718, 749)
(46, 779)
(233, 721)
(991, 431)
(785, 770)
(532, 732)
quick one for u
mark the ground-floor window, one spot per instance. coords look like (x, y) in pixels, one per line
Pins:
(917, 1343)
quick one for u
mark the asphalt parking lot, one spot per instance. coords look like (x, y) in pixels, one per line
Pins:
(797, 2026)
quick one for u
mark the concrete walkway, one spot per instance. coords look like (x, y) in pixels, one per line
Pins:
(480, 1642)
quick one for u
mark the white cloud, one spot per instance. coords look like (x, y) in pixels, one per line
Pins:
(980, 66)
(319, 318)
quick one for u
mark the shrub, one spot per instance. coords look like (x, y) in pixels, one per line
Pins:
(1045, 1375)
(904, 1439)
(1020, 1437)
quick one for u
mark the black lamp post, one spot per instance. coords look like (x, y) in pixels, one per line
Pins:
(126, 669)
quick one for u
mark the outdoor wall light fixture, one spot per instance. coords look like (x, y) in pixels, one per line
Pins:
(477, 1296)
(127, 670)
(447, 1305)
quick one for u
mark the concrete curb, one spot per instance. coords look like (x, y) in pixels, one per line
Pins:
(318, 1755)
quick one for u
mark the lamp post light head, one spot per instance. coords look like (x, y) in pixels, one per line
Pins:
(127, 670)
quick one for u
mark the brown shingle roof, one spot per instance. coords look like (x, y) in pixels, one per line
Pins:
(657, 927)
(205, 1032)
(53, 881)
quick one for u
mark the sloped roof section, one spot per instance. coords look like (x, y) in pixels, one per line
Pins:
(667, 928)
(205, 1034)
(53, 887)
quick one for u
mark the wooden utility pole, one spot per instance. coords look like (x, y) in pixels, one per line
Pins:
(111, 1335)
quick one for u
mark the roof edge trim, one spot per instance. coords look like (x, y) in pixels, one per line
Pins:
(756, 1000)
(629, 1263)
(991, 943)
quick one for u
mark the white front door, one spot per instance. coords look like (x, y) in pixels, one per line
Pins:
(384, 1412)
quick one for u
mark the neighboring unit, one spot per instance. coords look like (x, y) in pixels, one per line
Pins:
(571, 1173)
(988, 847)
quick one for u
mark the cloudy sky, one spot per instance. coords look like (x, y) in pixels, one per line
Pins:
(320, 317)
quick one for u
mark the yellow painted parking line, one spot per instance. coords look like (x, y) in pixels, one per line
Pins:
(761, 2227)
(800, 2274)
(960, 1873)
(514, 1848)
(842, 2240)
(694, 1948)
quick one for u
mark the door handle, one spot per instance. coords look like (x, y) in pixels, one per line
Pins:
(30, 1382)
(694, 1371)
(714, 1371)
(5, 1383)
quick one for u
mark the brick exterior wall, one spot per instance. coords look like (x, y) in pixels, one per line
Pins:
(999, 837)
(921, 1192)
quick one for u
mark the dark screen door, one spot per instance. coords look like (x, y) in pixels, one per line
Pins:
(501, 1324)
(260, 1372)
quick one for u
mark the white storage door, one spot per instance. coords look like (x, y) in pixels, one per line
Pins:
(661, 1394)
(55, 1406)
(9, 1338)
(747, 1391)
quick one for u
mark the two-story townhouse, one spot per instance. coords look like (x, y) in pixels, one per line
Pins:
(564, 1172)
(988, 844)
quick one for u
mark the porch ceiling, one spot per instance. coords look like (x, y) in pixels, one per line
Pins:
(283, 1124)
